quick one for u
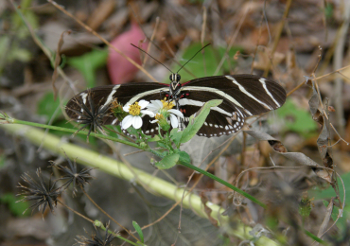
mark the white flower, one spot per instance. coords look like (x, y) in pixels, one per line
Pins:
(135, 113)
(162, 107)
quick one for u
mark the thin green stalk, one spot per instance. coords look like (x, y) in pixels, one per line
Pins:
(253, 199)
(100, 224)
(314, 237)
(124, 239)
(186, 164)
(62, 129)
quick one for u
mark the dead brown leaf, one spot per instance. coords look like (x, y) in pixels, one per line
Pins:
(208, 210)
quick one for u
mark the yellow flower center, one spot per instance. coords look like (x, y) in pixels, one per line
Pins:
(167, 104)
(159, 117)
(135, 109)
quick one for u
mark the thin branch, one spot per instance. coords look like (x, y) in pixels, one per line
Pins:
(105, 213)
(151, 40)
(77, 213)
(338, 60)
(231, 42)
(278, 35)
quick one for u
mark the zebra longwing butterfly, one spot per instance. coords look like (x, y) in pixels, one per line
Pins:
(243, 96)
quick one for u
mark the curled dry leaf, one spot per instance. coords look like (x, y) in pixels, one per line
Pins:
(314, 103)
(324, 174)
(322, 141)
(327, 218)
(207, 209)
(277, 146)
(331, 109)
(297, 157)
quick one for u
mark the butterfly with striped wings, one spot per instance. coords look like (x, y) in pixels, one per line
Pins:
(243, 96)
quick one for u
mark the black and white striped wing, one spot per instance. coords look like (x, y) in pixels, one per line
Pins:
(243, 96)
(103, 96)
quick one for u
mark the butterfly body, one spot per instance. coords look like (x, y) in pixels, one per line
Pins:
(243, 96)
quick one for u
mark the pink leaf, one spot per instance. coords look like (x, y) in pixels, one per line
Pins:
(121, 70)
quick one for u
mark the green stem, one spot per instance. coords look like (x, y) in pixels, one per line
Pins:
(314, 237)
(99, 224)
(124, 239)
(186, 164)
(62, 129)
(253, 199)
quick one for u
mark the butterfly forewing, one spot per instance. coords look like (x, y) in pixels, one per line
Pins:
(104, 96)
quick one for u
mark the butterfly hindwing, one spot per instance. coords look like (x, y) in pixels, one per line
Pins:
(224, 119)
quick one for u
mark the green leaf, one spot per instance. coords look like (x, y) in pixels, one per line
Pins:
(17, 208)
(168, 161)
(184, 157)
(195, 123)
(329, 193)
(296, 119)
(175, 136)
(112, 131)
(230, 62)
(132, 131)
(206, 62)
(47, 106)
(156, 138)
(88, 63)
(162, 145)
(139, 231)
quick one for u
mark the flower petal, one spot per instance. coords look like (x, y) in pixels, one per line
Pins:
(155, 105)
(137, 122)
(153, 121)
(158, 103)
(174, 121)
(127, 121)
(126, 107)
(149, 113)
(176, 112)
(143, 104)
(153, 108)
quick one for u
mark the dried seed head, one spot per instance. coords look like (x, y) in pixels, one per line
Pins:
(38, 192)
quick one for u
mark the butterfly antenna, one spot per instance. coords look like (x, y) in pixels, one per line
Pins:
(193, 56)
(151, 57)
